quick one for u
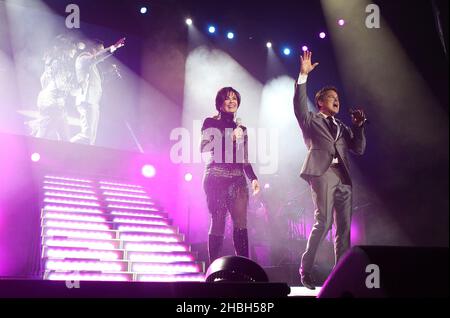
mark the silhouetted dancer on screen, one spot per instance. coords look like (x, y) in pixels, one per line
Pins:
(90, 89)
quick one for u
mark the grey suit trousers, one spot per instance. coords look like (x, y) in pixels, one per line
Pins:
(332, 197)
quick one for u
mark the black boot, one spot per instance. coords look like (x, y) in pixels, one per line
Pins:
(240, 240)
(215, 243)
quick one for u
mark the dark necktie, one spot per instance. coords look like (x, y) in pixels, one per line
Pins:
(332, 126)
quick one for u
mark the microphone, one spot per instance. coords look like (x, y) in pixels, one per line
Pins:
(238, 125)
(353, 112)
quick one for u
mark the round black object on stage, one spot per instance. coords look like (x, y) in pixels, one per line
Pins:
(235, 269)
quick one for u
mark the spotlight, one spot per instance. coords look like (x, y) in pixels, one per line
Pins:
(189, 21)
(269, 45)
(188, 177)
(341, 22)
(143, 10)
(235, 269)
(212, 29)
(148, 171)
(287, 51)
(267, 186)
(35, 157)
(304, 48)
(230, 35)
(322, 35)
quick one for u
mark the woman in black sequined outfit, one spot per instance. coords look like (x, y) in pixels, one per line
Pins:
(224, 181)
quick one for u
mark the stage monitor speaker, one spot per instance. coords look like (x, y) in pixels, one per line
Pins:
(389, 271)
(235, 269)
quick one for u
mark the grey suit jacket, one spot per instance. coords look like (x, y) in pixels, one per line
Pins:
(322, 147)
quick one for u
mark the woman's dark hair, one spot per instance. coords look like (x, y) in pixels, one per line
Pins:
(222, 95)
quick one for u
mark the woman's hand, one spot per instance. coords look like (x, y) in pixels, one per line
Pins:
(255, 186)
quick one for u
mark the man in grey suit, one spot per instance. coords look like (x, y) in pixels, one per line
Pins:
(326, 167)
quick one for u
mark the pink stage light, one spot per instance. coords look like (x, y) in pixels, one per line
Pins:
(341, 22)
(143, 228)
(75, 225)
(71, 265)
(322, 35)
(159, 257)
(55, 252)
(175, 268)
(35, 157)
(150, 238)
(139, 221)
(188, 177)
(155, 247)
(304, 48)
(148, 171)
(79, 234)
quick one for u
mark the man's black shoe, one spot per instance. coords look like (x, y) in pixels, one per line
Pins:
(307, 281)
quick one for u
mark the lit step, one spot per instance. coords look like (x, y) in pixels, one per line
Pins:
(190, 277)
(88, 276)
(68, 189)
(82, 225)
(156, 247)
(150, 237)
(128, 195)
(67, 184)
(160, 257)
(121, 189)
(102, 218)
(140, 220)
(167, 268)
(146, 228)
(71, 208)
(70, 195)
(137, 202)
(152, 214)
(58, 200)
(85, 265)
(83, 253)
(79, 233)
(75, 216)
(121, 184)
(120, 206)
(81, 242)
(50, 177)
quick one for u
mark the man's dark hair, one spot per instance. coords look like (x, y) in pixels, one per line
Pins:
(321, 93)
(222, 95)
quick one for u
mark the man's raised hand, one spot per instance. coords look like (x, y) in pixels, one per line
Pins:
(305, 63)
